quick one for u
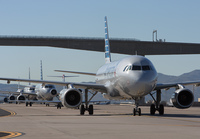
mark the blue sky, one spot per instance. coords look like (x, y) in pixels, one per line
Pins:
(176, 21)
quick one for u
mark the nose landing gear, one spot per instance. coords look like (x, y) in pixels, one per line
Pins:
(136, 110)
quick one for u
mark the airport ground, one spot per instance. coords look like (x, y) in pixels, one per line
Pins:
(108, 122)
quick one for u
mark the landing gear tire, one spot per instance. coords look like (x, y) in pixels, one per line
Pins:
(152, 109)
(161, 109)
(59, 106)
(137, 112)
(26, 104)
(30, 104)
(91, 110)
(134, 112)
(82, 110)
(47, 105)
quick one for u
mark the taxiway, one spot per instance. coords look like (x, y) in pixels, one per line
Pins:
(108, 121)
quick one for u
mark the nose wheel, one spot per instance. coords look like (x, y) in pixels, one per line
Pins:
(137, 110)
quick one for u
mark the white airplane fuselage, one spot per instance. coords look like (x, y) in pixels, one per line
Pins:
(30, 89)
(130, 77)
(45, 92)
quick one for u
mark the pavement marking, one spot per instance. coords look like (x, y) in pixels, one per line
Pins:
(7, 135)
(5, 113)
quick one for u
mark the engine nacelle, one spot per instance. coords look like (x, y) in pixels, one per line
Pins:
(21, 97)
(53, 92)
(71, 98)
(11, 97)
(182, 98)
(5, 99)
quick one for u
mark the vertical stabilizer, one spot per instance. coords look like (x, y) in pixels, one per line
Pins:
(29, 76)
(41, 73)
(107, 45)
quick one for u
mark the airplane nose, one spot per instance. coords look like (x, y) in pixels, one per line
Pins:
(53, 92)
(142, 83)
(144, 77)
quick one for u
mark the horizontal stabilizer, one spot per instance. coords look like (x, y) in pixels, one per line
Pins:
(84, 73)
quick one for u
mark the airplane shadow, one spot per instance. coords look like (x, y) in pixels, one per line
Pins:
(174, 115)
(128, 114)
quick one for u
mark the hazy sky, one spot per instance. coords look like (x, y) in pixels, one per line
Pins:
(176, 21)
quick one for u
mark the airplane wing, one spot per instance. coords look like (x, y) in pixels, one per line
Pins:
(3, 95)
(36, 101)
(17, 93)
(43, 101)
(171, 85)
(92, 86)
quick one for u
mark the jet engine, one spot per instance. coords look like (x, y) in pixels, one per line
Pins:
(182, 98)
(5, 99)
(21, 97)
(71, 97)
(11, 97)
(53, 92)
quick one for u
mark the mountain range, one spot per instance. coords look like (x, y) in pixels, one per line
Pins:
(162, 78)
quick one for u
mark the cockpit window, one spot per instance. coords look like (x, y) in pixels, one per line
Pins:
(128, 67)
(146, 67)
(32, 89)
(135, 67)
(48, 86)
(125, 68)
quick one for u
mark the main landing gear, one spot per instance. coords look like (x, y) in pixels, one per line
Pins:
(84, 108)
(154, 107)
(87, 107)
(59, 105)
(30, 104)
(157, 106)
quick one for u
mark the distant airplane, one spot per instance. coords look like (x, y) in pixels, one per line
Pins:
(132, 77)
(32, 93)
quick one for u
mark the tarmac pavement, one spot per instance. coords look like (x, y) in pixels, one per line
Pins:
(108, 121)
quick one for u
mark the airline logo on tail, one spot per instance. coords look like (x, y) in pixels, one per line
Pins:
(107, 45)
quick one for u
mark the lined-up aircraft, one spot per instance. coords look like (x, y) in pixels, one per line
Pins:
(32, 93)
(132, 77)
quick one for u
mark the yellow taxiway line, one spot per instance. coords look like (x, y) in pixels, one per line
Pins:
(10, 134)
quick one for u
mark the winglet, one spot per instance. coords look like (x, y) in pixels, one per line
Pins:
(107, 45)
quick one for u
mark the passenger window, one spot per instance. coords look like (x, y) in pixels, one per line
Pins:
(146, 68)
(136, 67)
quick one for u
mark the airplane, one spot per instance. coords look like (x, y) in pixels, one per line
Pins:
(31, 94)
(132, 77)
(19, 95)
